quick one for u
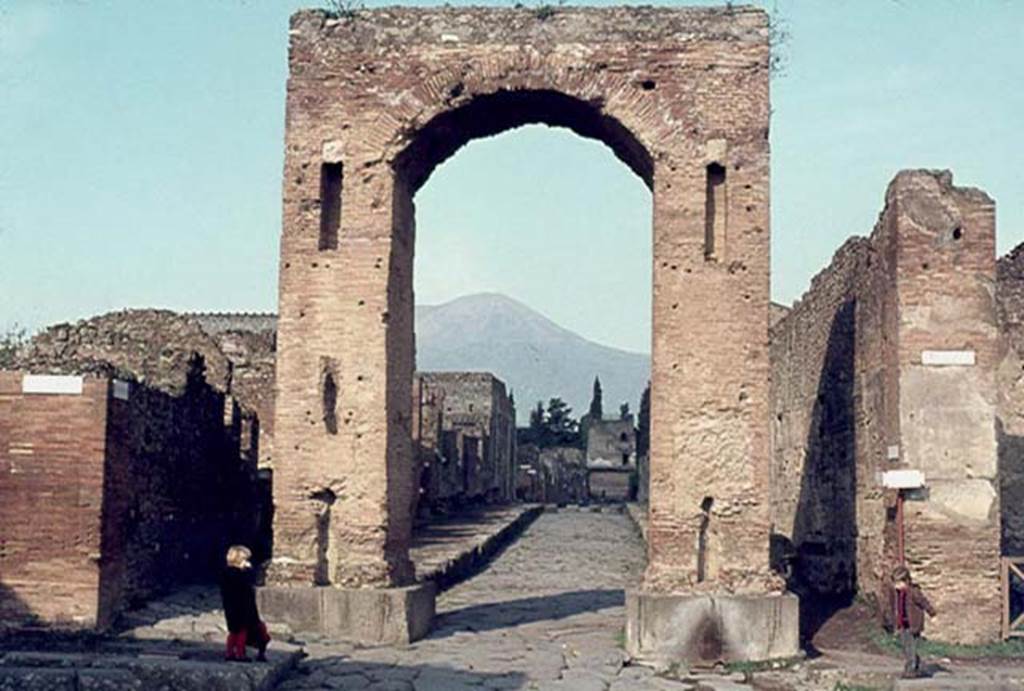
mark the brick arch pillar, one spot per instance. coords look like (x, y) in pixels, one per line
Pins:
(344, 310)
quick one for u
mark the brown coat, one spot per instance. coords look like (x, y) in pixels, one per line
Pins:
(917, 605)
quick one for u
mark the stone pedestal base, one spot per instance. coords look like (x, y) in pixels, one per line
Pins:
(372, 616)
(705, 629)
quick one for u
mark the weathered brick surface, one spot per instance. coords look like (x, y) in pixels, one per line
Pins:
(52, 451)
(391, 93)
(852, 397)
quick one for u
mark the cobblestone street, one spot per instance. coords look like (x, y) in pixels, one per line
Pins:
(547, 614)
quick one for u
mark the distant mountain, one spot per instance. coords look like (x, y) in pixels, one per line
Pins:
(534, 356)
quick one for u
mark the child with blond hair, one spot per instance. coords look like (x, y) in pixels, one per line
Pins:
(238, 593)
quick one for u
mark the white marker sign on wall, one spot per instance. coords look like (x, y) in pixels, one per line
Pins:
(57, 384)
(947, 358)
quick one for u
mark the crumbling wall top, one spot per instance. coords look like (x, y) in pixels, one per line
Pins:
(452, 26)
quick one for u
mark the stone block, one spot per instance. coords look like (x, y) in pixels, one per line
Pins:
(32, 679)
(372, 616)
(693, 629)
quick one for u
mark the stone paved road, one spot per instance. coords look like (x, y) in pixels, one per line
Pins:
(547, 614)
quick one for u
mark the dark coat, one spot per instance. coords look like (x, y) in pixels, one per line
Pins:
(917, 605)
(238, 594)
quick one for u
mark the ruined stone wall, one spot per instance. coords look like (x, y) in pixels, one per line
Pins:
(118, 494)
(949, 352)
(1010, 426)
(553, 475)
(474, 408)
(249, 342)
(177, 491)
(830, 410)
(888, 362)
(252, 357)
(155, 346)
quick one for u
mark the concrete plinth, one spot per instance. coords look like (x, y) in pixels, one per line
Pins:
(705, 629)
(371, 616)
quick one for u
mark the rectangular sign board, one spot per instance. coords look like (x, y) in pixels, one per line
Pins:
(58, 384)
(121, 389)
(947, 358)
(902, 479)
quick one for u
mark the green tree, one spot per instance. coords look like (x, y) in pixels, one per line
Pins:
(596, 402)
(624, 411)
(643, 423)
(11, 342)
(534, 433)
(560, 427)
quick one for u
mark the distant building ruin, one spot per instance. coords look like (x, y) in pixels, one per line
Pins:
(464, 440)
(611, 459)
(551, 475)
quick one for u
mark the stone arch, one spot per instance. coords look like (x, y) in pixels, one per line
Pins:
(375, 102)
(504, 109)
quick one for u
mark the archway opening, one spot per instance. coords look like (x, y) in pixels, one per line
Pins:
(494, 113)
(528, 122)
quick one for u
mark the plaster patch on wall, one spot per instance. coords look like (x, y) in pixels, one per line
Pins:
(970, 499)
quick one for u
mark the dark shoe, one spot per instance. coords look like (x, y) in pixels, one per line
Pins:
(261, 656)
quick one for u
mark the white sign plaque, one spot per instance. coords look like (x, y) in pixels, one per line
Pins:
(58, 384)
(121, 389)
(902, 479)
(947, 358)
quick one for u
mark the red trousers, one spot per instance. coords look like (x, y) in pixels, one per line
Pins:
(237, 642)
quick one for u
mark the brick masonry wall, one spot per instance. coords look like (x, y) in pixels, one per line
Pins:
(853, 396)
(52, 450)
(383, 99)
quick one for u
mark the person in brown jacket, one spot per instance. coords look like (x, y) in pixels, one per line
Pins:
(908, 606)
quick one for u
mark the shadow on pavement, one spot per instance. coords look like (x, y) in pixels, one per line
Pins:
(500, 615)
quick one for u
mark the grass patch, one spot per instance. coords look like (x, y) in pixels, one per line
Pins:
(890, 643)
(620, 638)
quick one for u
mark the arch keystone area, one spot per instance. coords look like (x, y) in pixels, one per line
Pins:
(376, 101)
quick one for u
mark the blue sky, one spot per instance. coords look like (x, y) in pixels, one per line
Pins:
(141, 147)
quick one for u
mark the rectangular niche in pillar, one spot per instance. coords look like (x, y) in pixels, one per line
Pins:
(714, 213)
(330, 205)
